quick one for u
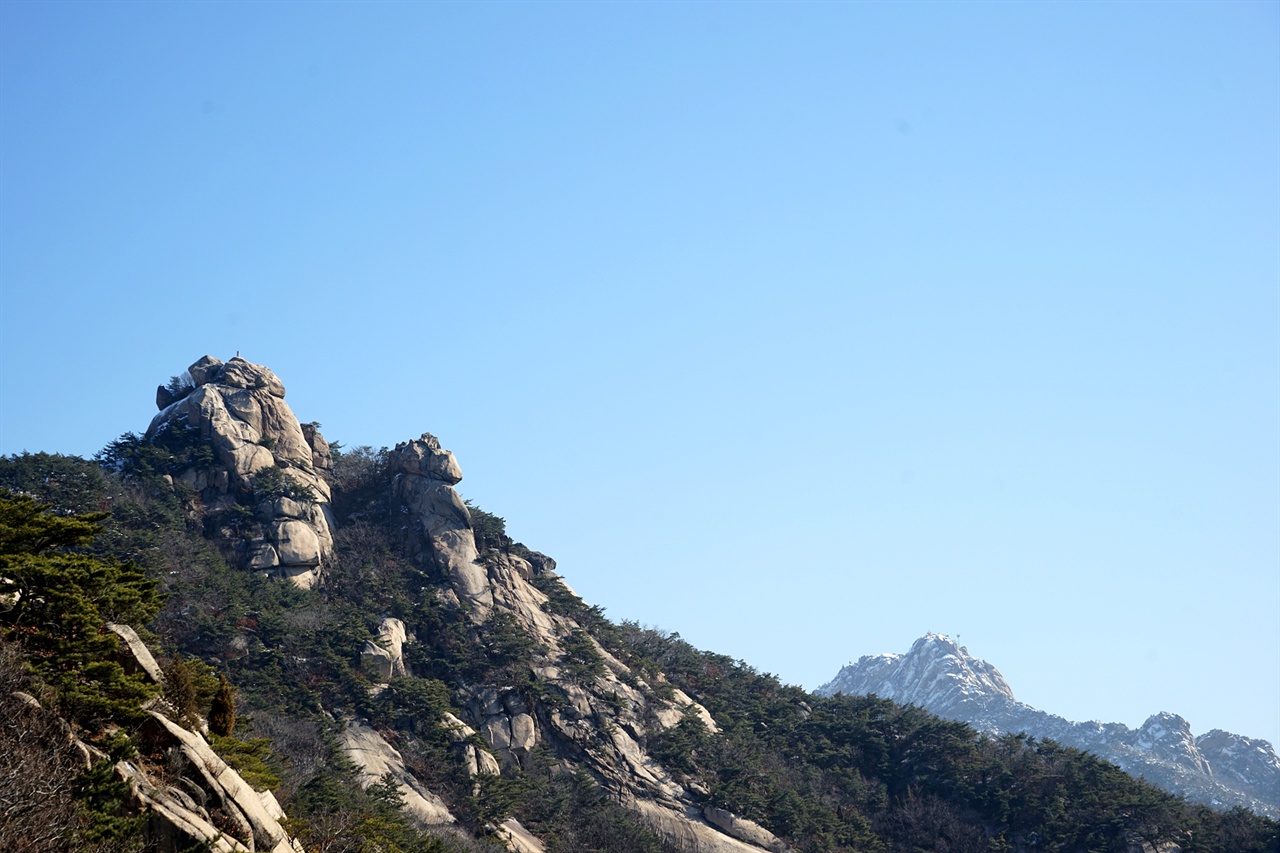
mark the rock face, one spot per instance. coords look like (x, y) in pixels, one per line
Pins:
(424, 479)
(204, 784)
(1217, 768)
(375, 758)
(267, 471)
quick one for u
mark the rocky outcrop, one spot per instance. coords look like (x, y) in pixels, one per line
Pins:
(518, 839)
(589, 710)
(135, 656)
(742, 829)
(203, 785)
(424, 477)
(375, 758)
(1245, 764)
(1218, 768)
(263, 461)
(382, 658)
(477, 761)
(687, 831)
(599, 723)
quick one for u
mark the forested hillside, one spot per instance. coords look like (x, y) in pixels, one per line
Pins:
(520, 716)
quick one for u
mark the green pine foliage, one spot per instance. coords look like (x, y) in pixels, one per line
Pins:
(58, 602)
(174, 448)
(825, 774)
(253, 759)
(222, 714)
(105, 799)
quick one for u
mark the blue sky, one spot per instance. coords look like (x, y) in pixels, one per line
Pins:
(800, 329)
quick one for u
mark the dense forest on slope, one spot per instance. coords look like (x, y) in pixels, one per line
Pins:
(821, 774)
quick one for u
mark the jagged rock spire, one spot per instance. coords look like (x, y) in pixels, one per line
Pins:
(262, 454)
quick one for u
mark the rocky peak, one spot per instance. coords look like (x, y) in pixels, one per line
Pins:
(1169, 736)
(1242, 761)
(263, 459)
(1218, 768)
(937, 670)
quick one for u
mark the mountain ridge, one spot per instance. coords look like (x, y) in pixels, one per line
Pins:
(428, 684)
(1218, 768)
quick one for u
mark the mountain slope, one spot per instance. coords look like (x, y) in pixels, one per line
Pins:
(428, 684)
(1218, 768)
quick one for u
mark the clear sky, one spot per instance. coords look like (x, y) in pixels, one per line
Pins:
(800, 329)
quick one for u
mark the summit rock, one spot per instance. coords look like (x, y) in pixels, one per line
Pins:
(266, 476)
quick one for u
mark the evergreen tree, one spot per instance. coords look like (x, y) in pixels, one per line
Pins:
(180, 690)
(222, 714)
(57, 602)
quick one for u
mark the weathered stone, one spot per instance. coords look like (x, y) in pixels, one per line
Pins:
(223, 784)
(303, 577)
(497, 732)
(204, 371)
(239, 408)
(743, 829)
(137, 657)
(424, 485)
(513, 704)
(375, 758)
(239, 373)
(321, 454)
(296, 543)
(376, 662)
(524, 735)
(425, 458)
(469, 760)
(249, 459)
(518, 839)
(457, 730)
(435, 503)
(383, 658)
(487, 764)
(289, 508)
(196, 478)
(164, 397)
(242, 406)
(686, 830)
(263, 556)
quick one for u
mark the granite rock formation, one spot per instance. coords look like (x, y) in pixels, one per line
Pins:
(266, 462)
(266, 478)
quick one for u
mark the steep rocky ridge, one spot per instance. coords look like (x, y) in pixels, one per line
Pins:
(591, 712)
(430, 671)
(596, 722)
(937, 674)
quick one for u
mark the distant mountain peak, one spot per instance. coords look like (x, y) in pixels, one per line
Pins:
(937, 669)
(939, 675)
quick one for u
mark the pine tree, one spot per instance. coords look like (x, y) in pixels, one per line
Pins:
(180, 690)
(57, 602)
(222, 714)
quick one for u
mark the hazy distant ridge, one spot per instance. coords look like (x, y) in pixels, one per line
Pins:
(1218, 768)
